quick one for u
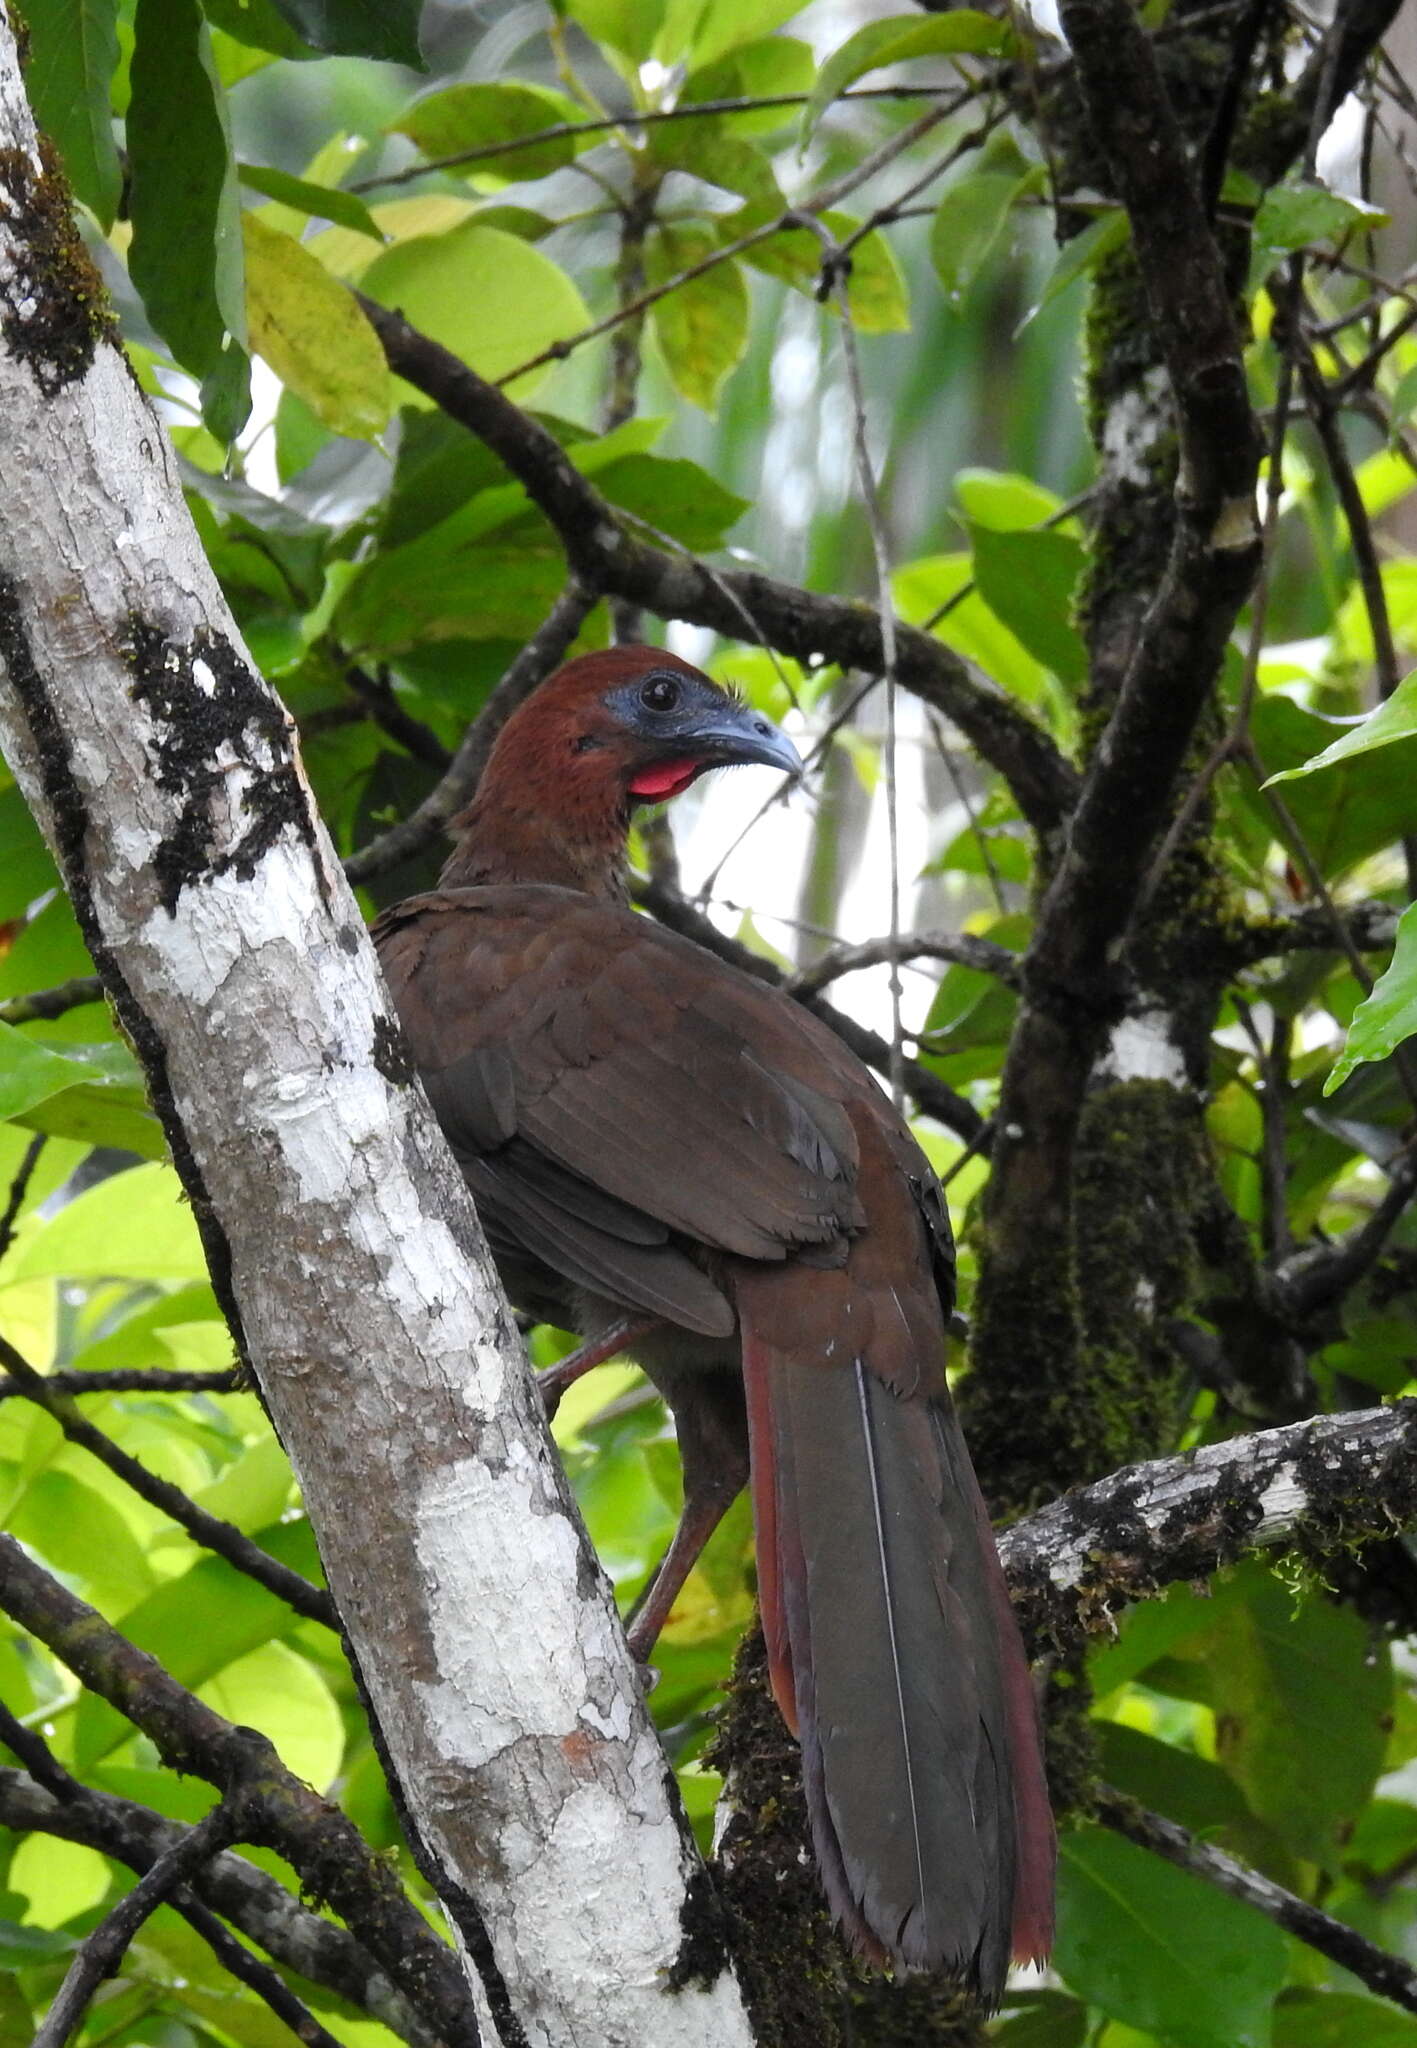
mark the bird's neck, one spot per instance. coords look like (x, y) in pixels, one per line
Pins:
(508, 836)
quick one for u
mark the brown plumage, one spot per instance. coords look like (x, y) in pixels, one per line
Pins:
(650, 1134)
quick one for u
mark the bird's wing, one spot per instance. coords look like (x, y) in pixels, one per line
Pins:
(610, 1087)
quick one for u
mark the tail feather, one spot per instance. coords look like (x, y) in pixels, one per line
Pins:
(903, 1675)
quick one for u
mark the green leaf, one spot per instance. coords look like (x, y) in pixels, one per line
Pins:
(760, 70)
(358, 28)
(1404, 398)
(1300, 1697)
(314, 336)
(185, 258)
(1158, 1949)
(134, 1339)
(1394, 719)
(968, 625)
(20, 1946)
(1335, 2019)
(673, 495)
(29, 1072)
(284, 1696)
(728, 161)
(238, 1616)
(254, 1490)
(428, 592)
(492, 299)
(702, 325)
(1041, 2019)
(136, 1223)
(895, 41)
(60, 1879)
(463, 117)
(1186, 1787)
(257, 24)
(299, 436)
(1385, 1019)
(1003, 499)
(73, 54)
(703, 31)
(321, 202)
(1354, 808)
(17, 2022)
(349, 255)
(76, 1531)
(972, 214)
(1082, 254)
(27, 867)
(1153, 1629)
(1028, 581)
(101, 1112)
(628, 26)
(1293, 216)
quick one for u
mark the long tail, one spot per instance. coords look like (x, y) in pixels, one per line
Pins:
(895, 1657)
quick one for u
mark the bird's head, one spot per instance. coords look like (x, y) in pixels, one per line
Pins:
(627, 726)
(639, 723)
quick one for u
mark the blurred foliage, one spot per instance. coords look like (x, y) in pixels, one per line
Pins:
(238, 165)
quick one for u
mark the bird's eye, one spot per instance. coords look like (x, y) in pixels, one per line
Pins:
(660, 693)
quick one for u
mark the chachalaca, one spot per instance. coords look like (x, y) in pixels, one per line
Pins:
(670, 1155)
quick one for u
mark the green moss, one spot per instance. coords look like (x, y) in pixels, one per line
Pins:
(54, 311)
(791, 1962)
(1141, 1166)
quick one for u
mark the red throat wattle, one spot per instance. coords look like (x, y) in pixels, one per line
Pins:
(665, 780)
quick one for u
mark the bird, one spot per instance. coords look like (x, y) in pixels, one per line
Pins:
(674, 1159)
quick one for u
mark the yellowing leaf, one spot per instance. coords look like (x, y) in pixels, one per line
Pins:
(312, 333)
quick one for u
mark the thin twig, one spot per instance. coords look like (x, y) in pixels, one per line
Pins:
(1317, 1275)
(19, 1187)
(101, 1952)
(603, 124)
(133, 1380)
(47, 1003)
(960, 948)
(1388, 1975)
(259, 1977)
(377, 694)
(835, 271)
(966, 803)
(208, 1530)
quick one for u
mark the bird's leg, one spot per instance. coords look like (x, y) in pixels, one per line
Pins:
(555, 1380)
(713, 1447)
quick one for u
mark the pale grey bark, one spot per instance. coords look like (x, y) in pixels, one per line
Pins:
(168, 781)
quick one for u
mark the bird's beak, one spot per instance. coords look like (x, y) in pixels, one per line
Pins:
(741, 734)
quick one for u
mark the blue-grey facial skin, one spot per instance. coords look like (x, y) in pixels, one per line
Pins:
(701, 720)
